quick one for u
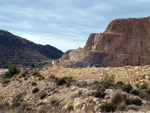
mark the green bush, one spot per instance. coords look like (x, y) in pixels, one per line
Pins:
(144, 86)
(117, 97)
(148, 90)
(135, 92)
(24, 73)
(53, 77)
(61, 81)
(119, 84)
(127, 88)
(121, 106)
(54, 102)
(36, 73)
(64, 80)
(135, 101)
(108, 107)
(35, 90)
(108, 81)
(34, 84)
(99, 94)
(12, 71)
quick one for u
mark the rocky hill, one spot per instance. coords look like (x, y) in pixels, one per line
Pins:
(17, 50)
(124, 42)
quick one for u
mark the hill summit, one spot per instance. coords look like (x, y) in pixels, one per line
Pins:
(17, 50)
(124, 42)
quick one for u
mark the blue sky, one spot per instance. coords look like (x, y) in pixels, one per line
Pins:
(65, 24)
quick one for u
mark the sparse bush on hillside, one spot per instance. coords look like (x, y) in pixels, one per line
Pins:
(119, 84)
(144, 86)
(121, 106)
(54, 102)
(135, 92)
(37, 74)
(61, 81)
(99, 94)
(148, 90)
(34, 84)
(117, 97)
(108, 107)
(53, 77)
(12, 71)
(108, 81)
(135, 101)
(24, 73)
(127, 88)
(35, 90)
(64, 80)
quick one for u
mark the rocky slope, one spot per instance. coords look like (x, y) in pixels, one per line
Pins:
(18, 94)
(16, 50)
(127, 74)
(124, 42)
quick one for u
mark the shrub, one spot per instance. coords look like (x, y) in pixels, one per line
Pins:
(108, 81)
(84, 83)
(34, 84)
(148, 90)
(12, 71)
(36, 73)
(135, 92)
(25, 105)
(64, 80)
(4, 106)
(61, 81)
(108, 107)
(54, 102)
(135, 101)
(117, 97)
(35, 90)
(24, 73)
(119, 84)
(144, 86)
(53, 77)
(121, 106)
(127, 88)
(99, 94)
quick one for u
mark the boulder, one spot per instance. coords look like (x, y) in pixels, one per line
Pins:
(69, 105)
(78, 103)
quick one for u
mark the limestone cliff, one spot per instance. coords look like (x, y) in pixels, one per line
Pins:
(124, 42)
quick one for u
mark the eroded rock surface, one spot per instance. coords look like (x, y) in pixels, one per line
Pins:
(124, 42)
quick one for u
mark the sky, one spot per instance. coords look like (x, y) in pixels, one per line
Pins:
(65, 24)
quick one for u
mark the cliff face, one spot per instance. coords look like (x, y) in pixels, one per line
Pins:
(124, 42)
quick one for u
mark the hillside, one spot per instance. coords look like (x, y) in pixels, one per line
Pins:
(17, 50)
(77, 90)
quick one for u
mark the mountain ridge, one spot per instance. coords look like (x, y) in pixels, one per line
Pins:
(17, 50)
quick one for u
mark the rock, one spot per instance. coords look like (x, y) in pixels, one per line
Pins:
(69, 105)
(43, 94)
(89, 99)
(87, 108)
(73, 88)
(124, 42)
(78, 103)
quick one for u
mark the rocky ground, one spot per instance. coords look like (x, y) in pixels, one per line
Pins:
(81, 90)
(127, 74)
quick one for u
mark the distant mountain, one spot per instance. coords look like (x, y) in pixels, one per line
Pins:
(19, 51)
